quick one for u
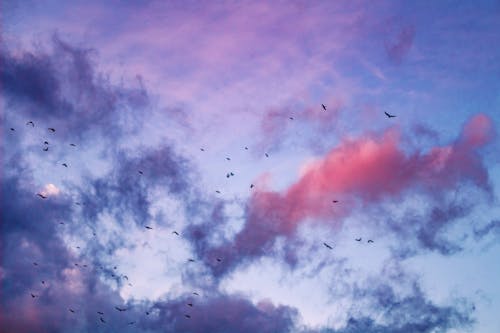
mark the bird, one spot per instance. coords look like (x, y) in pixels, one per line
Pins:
(175, 232)
(33, 295)
(187, 316)
(132, 323)
(389, 115)
(43, 282)
(267, 155)
(328, 246)
(227, 158)
(12, 129)
(246, 148)
(51, 129)
(45, 142)
(202, 149)
(120, 309)
(291, 118)
(102, 320)
(370, 241)
(147, 313)
(30, 123)
(46, 149)
(191, 260)
(190, 304)
(61, 222)
(72, 145)
(195, 293)
(219, 259)
(64, 165)
(76, 265)
(125, 277)
(78, 204)
(217, 191)
(99, 312)
(41, 196)
(71, 310)
(85, 266)
(35, 263)
(324, 107)
(335, 201)
(140, 172)
(358, 239)
(252, 185)
(148, 227)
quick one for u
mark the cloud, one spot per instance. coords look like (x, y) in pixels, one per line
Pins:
(360, 172)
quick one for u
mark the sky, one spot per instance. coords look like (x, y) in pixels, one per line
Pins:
(168, 166)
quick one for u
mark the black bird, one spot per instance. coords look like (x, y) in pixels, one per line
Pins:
(76, 265)
(191, 260)
(85, 266)
(190, 304)
(12, 129)
(202, 149)
(43, 282)
(120, 309)
(132, 323)
(217, 191)
(41, 195)
(102, 320)
(251, 185)
(33, 295)
(52, 129)
(99, 312)
(46, 149)
(78, 204)
(291, 118)
(141, 172)
(65, 165)
(324, 107)
(358, 239)
(195, 293)
(187, 316)
(370, 241)
(389, 115)
(227, 158)
(30, 123)
(114, 267)
(219, 259)
(72, 145)
(335, 201)
(267, 155)
(45, 142)
(125, 277)
(175, 232)
(148, 227)
(71, 310)
(61, 222)
(328, 246)
(147, 313)
(35, 264)
(246, 148)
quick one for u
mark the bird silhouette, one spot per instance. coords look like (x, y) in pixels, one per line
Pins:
(46, 149)
(227, 158)
(41, 196)
(147, 313)
(370, 241)
(35, 263)
(187, 316)
(335, 201)
(33, 295)
(71, 310)
(190, 304)
(202, 149)
(267, 155)
(140, 172)
(291, 118)
(358, 239)
(252, 185)
(328, 246)
(99, 312)
(120, 309)
(30, 123)
(43, 282)
(191, 260)
(132, 323)
(246, 148)
(51, 129)
(102, 320)
(72, 145)
(175, 232)
(389, 115)
(45, 142)
(195, 293)
(323, 106)
(12, 129)
(219, 259)
(217, 191)
(65, 165)
(148, 227)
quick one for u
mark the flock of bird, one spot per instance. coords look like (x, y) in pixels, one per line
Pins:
(190, 304)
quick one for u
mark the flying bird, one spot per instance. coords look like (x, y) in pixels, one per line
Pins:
(41, 196)
(190, 304)
(43, 282)
(324, 107)
(30, 123)
(120, 309)
(217, 191)
(358, 239)
(370, 241)
(389, 115)
(335, 201)
(187, 316)
(195, 293)
(246, 148)
(102, 320)
(12, 129)
(267, 155)
(191, 260)
(45, 142)
(51, 129)
(140, 172)
(132, 323)
(202, 149)
(147, 313)
(36, 264)
(99, 312)
(252, 185)
(291, 118)
(72, 145)
(71, 310)
(227, 158)
(64, 165)
(328, 246)
(33, 295)
(175, 232)
(46, 149)
(148, 227)
(219, 259)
